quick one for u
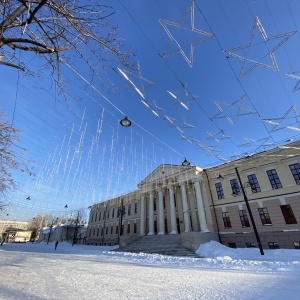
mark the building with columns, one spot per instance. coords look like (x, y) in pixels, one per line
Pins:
(209, 204)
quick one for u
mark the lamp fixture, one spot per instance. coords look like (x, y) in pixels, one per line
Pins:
(125, 122)
(185, 163)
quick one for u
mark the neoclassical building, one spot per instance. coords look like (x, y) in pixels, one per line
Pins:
(210, 204)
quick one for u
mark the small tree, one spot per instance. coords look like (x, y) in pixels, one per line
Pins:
(10, 156)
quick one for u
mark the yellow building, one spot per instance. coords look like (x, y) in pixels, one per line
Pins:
(200, 205)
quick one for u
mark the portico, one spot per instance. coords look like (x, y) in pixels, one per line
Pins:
(171, 192)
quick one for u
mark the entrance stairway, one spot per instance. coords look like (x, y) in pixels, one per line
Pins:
(167, 244)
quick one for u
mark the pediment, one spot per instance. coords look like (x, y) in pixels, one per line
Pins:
(161, 173)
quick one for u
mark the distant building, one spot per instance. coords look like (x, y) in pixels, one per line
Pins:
(66, 232)
(5, 224)
(203, 205)
(13, 235)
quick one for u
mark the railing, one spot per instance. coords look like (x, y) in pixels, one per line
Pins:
(129, 240)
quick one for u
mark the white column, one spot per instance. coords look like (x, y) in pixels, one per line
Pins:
(172, 211)
(201, 213)
(151, 214)
(161, 212)
(186, 214)
(142, 215)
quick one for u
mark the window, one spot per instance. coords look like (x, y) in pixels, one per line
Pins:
(106, 230)
(295, 169)
(90, 232)
(252, 179)
(274, 179)
(154, 204)
(104, 215)
(99, 216)
(113, 213)
(134, 228)
(164, 202)
(235, 187)
(107, 214)
(273, 245)
(102, 231)
(96, 217)
(219, 189)
(288, 214)
(129, 209)
(111, 229)
(264, 216)
(97, 231)
(128, 228)
(232, 245)
(135, 207)
(117, 229)
(94, 231)
(250, 245)
(297, 245)
(226, 220)
(244, 218)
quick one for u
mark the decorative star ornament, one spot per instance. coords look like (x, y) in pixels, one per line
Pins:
(293, 75)
(279, 126)
(152, 107)
(241, 110)
(257, 145)
(218, 137)
(182, 100)
(178, 48)
(143, 82)
(274, 67)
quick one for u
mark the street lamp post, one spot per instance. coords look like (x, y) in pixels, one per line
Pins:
(76, 230)
(121, 211)
(51, 229)
(250, 213)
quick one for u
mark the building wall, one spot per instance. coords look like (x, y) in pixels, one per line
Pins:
(269, 198)
(5, 224)
(210, 213)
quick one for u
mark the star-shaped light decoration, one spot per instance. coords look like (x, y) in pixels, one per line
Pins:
(143, 81)
(293, 75)
(218, 137)
(257, 145)
(152, 107)
(274, 67)
(205, 35)
(182, 100)
(277, 121)
(241, 110)
(209, 149)
(179, 124)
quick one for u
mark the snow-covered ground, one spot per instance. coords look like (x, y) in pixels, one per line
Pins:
(37, 271)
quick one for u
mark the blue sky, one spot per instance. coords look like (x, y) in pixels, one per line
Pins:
(79, 152)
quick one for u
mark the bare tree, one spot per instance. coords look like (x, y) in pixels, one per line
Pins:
(59, 31)
(10, 156)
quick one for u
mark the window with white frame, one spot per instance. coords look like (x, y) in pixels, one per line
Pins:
(219, 190)
(295, 169)
(235, 187)
(274, 179)
(254, 185)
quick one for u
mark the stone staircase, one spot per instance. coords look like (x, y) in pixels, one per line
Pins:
(167, 244)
